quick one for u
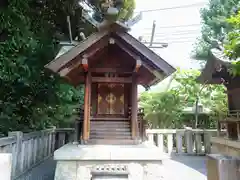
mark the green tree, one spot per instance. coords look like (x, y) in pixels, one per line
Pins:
(125, 8)
(165, 109)
(232, 46)
(214, 24)
(211, 96)
(31, 98)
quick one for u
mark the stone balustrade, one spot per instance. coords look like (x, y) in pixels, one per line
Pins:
(182, 141)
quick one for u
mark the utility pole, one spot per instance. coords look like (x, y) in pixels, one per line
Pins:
(153, 33)
(151, 43)
(69, 29)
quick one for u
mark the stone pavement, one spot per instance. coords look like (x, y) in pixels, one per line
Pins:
(176, 168)
(185, 168)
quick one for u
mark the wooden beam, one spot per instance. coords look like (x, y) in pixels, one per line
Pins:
(94, 51)
(125, 49)
(134, 108)
(86, 108)
(81, 62)
(138, 65)
(76, 79)
(158, 75)
(112, 79)
(64, 59)
(110, 70)
(146, 52)
(89, 101)
(85, 64)
(67, 70)
(233, 91)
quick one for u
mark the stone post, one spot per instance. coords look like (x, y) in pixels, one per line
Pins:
(77, 132)
(189, 141)
(160, 143)
(179, 142)
(207, 143)
(5, 166)
(17, 162)
(170, 143)
(198, 142)
(220, 167)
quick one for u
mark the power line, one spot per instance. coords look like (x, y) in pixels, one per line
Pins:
(167, 41)
(178, 26)
(174, 36)
(172, 8)
(176, 42)
(173, 32)
(161, 37)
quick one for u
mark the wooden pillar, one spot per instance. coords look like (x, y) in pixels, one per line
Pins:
(134, 108)
(86, 108)
(89, 101)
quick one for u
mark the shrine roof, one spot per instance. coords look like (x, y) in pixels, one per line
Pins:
(97, 41)
(215, 68)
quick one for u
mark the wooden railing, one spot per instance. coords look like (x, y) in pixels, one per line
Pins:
(232, 124)
(30, 149)
(182, 141)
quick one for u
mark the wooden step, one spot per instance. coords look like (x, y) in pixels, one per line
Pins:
(110, 132)
(110, 136)
(107, 129)
(111, 126)
(110, 122)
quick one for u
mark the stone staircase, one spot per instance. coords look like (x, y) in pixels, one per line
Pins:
(111, 132)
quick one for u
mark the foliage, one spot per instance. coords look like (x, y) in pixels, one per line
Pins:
(125, 7)
(162, 109)
(165, 109)
(233, 39)
(30, 97)
(126, 11)
(214, 24)
(232, 46)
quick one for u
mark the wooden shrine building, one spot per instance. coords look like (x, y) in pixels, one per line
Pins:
(111, 64)
(216, 71)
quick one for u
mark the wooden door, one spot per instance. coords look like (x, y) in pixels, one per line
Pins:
(111, 99)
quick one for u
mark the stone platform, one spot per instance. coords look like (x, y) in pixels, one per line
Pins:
(85, 162)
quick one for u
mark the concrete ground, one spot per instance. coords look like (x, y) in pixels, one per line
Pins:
(186, 168)
(176, 168)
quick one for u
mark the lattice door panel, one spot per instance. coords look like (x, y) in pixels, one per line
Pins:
(111, 98)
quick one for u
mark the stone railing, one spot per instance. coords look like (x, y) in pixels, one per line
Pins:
(182, 141)
(27, 150)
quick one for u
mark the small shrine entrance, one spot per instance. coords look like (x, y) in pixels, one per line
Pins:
(111, 64)
(110, 99)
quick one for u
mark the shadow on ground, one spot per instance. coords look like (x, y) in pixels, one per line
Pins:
(197, 163)
(186, 167)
